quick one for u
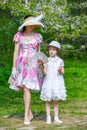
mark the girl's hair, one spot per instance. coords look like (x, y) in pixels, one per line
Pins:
(24, 28)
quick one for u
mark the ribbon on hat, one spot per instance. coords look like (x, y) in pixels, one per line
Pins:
(38, 18)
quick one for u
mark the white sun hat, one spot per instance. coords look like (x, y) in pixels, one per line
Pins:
(32, 21)
(54, 44)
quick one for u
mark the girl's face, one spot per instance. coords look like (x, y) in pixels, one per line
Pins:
(53, 51)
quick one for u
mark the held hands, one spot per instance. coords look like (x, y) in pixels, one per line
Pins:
(42, 67)
(40, 63)
(61, 70)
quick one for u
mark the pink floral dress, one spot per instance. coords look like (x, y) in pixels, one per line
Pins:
(27, 68)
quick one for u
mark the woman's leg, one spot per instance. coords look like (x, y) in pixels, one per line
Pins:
(27, 99)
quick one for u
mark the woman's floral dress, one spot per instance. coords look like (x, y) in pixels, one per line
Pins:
(27, 69)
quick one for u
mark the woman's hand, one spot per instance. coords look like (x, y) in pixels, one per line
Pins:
(40, 64)
(61, 70)
(14, 72)
(13, 76)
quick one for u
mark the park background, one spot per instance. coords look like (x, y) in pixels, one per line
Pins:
(65, 21)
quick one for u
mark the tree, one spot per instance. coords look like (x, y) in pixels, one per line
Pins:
(67, 19)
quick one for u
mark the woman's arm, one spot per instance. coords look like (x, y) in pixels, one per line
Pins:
(15, 54)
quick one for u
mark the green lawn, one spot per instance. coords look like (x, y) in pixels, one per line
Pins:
(71, 110)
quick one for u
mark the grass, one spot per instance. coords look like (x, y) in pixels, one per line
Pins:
(73, 111)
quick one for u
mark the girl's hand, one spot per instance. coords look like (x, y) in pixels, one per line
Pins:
(61, 70)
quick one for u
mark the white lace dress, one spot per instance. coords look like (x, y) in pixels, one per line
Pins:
(53, 87)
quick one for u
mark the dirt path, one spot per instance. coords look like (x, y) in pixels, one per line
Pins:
(74, 117)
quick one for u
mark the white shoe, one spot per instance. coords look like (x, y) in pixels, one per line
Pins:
(26, 122)
(57, 120)
(32, 117)
(48, 121)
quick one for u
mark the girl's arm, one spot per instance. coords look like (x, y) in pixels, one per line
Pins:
(39, 48)
(45, 70)
(61, 70)
(15, 54)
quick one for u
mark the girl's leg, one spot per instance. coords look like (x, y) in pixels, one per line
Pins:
(56, 108)
(48, 108)
(27, 98)
(48, 112)
(56, 118)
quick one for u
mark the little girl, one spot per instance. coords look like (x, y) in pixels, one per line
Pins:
(53, 87)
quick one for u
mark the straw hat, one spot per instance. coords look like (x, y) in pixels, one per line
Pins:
(32, 21)
(54, 44)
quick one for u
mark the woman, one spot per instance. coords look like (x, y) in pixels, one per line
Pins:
(25, 68)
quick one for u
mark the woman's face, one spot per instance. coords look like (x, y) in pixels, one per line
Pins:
(30, 28)
(53, 51)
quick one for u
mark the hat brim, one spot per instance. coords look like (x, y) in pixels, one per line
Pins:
(52, 46)
(59, 49)
(37, 25)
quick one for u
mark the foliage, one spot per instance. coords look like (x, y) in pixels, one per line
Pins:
(62, 22)
(75, 81)
(58, 16)
(65, 21)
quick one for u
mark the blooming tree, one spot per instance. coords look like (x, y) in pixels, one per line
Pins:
(57, 15)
